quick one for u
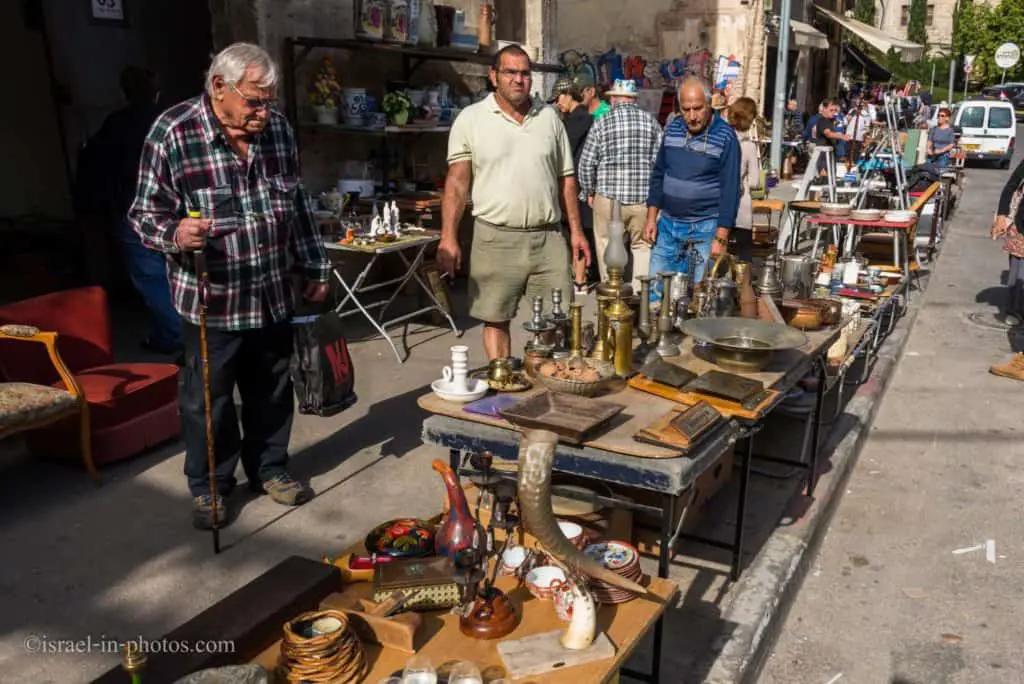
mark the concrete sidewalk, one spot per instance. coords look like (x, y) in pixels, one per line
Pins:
(893, 596)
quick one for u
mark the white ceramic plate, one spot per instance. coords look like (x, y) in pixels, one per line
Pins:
(866, 214)
(477, 388)
(614, 555)
(899, 216)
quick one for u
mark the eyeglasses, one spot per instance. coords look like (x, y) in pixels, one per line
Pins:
(512, 73)
(253, 102)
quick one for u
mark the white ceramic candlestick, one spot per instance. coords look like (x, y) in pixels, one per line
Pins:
(455, 374)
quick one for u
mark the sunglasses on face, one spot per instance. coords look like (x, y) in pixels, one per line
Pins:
(253, 102)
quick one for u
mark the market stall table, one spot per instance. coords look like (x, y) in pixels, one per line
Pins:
(416, 243)
(248, 625)
(615, 456)
(900, 231)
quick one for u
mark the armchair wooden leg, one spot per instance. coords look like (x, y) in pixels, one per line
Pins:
(85, 436)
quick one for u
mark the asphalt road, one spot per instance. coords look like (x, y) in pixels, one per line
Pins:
(906, 588)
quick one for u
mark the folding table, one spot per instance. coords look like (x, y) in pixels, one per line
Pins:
(415, 243)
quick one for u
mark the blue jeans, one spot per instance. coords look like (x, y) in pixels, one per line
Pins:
(670, 249)
(147, 269)
(941, 160)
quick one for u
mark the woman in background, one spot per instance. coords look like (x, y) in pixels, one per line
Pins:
(941, 140)
(742, 113)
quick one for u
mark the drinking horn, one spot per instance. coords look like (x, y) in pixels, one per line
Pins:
(536, 454)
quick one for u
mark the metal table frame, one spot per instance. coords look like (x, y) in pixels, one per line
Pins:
(412, 272)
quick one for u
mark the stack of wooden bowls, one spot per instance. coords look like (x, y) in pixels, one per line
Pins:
(320, 646)
(622, 559)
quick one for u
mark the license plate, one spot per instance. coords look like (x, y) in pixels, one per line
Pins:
(972, 148)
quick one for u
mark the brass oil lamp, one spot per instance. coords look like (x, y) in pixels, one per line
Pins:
(617, 314)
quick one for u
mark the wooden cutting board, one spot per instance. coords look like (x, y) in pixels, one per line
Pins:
(724, 406)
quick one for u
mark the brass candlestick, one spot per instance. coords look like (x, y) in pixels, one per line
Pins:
(560, 320)
(576, 338)
(602, 351)
(666, 347)
(133, 660)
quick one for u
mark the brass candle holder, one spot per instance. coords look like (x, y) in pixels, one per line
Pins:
(666, 347)
(576, 335)
(133, 661)
(602, 350)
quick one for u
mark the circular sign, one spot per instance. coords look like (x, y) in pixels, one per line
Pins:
(1007, 56)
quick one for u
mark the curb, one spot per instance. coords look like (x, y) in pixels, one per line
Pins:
(772, 581)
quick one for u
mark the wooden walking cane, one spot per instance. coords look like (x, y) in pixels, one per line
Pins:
(204, 354)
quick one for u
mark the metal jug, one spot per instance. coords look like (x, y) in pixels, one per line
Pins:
(768, 282)
(798, 276)
(721, 291)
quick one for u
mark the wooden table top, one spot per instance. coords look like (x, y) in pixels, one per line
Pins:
(642, 408)
(440, 640)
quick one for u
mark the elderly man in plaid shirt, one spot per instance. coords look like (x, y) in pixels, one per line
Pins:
(616, 164)
(229, 157)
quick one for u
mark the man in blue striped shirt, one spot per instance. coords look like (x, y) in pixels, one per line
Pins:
(695, 186)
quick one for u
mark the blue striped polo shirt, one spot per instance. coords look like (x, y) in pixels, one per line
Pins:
(697, 177)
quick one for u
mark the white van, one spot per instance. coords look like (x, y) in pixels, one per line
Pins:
(988, 130)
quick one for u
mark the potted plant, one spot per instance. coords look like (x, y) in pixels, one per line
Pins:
(325, 93)
(397, 106)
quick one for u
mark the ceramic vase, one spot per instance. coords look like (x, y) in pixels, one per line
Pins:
(400, 118)
(371, 19)
(398, 21)
(326, 115)
(355, 106)
(458, 529)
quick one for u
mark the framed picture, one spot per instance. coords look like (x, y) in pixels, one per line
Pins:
(108, 12)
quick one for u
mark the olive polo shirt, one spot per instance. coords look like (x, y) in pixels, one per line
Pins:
(516, 167)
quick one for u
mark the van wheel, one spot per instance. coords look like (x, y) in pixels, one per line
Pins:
(1004, 164)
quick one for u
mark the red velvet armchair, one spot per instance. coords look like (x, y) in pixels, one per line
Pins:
(128, 407)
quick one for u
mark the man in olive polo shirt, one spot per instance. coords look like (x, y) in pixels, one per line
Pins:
(515, 154)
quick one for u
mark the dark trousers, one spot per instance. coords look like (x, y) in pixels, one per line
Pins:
(256, 362)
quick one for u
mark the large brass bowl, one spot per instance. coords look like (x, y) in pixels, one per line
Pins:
(744, 344)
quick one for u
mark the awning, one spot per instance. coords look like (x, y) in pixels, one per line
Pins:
(805, 35)
(880, 40)
(874, 71)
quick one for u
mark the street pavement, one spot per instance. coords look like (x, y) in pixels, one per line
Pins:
(918, 580)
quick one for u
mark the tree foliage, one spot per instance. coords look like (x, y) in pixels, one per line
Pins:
(916, 30)
(864, 11)
(981, 28)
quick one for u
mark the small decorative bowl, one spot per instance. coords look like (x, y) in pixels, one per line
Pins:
(605, 370)
(512, 559)
(572, 532)
(543, 580)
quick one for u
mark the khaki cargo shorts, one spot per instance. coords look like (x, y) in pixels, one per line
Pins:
(507, 263)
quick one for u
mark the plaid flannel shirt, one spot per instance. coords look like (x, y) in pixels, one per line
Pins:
(263, 223)
(619, 155)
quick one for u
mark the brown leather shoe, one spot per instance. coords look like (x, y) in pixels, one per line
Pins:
(287, 491)
(1014, 368)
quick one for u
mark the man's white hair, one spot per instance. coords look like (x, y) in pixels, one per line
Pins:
(692, 79)
(232, 62)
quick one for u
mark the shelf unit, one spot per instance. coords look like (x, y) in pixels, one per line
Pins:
(297, 49)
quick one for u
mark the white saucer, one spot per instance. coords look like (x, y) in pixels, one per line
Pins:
(444, 389)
